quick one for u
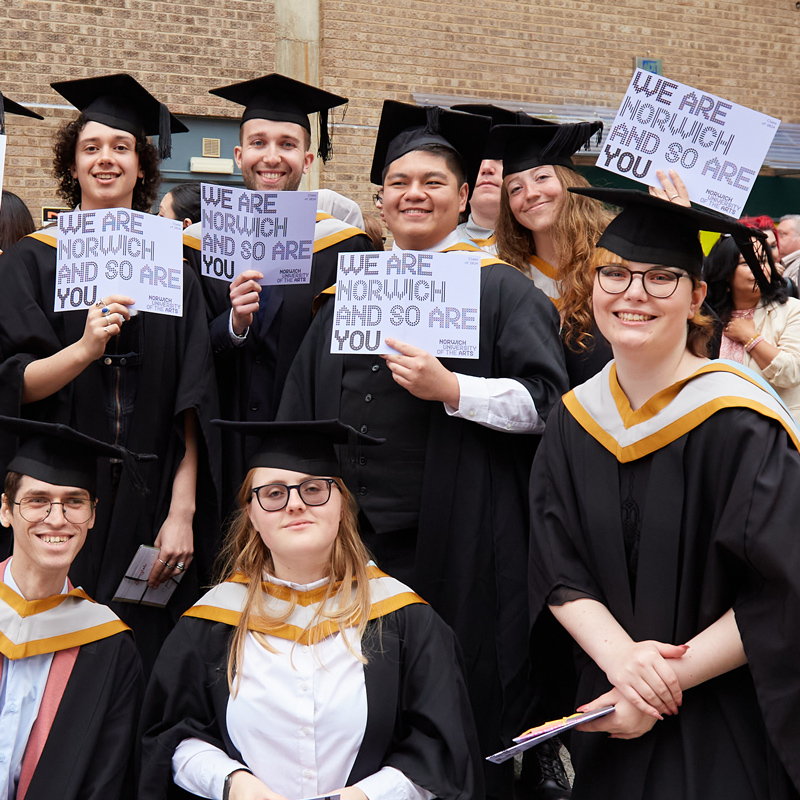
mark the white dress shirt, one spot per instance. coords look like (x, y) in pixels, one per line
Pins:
(21, 690)
(298, 720)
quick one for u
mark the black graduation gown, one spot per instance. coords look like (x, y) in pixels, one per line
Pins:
(251, 376)
(473, 517)
(175, 375)
(89, 751)
(719, 509)
(419, 720)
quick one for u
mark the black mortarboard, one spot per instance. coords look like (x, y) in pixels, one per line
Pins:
(404, 128)
(655, 231)
(121, 102)
(8, 106)
(280, 99)
(522, 147)
(499, 116)
(59, 455)
(299, 446)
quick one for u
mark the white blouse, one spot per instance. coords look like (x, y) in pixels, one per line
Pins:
(298, 720)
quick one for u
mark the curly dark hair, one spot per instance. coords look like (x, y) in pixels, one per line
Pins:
(66, 139)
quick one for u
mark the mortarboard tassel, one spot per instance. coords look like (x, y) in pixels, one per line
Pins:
(325, 146)
(755, 261)
(164, 132)
(432, 117)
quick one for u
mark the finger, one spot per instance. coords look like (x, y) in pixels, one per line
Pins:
(678, 183)
(637, 701)
(403, 347)
(657, 693)
(121, 299)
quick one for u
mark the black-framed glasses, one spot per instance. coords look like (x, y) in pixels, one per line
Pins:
(75, 509)
(313, 492)
(658, 282)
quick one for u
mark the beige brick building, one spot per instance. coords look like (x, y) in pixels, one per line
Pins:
(553, 54)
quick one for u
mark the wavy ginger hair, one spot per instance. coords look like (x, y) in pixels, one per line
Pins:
(346, 604)
(579, 224)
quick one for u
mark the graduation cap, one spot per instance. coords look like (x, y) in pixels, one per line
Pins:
(8, 106)
(522, 147)
(280, 99)
(299, 446)
(59, 455)
(499, 116)
(655, 231)
(121, 102)
(404, 128)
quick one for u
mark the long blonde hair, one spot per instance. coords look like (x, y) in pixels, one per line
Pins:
(579, 223)
(346, 604)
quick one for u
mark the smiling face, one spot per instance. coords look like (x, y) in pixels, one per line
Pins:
(535, 197)
(422, 199)
(45, 549)
(300, 537)
(637, 324)
(106, 167)
(273, 156)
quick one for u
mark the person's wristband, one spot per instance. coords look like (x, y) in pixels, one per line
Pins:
(756, 340)
(226, 787)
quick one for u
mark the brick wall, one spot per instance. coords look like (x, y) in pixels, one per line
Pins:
(178, 50)
(548, 51)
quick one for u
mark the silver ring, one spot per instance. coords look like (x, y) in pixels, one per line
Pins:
(180, 566)
(104, 310)
(100, 303)
(672, 197)
(161, 561)
(166, 564)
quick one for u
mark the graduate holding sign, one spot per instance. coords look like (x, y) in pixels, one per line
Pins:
(256, 330)
(143, 381)
(307, 671)
(442, 502)
(667, 489)
(70, 676)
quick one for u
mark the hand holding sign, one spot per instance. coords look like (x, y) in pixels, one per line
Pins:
(245, 294)
(103, 321)
(422, 374)
(672, 188)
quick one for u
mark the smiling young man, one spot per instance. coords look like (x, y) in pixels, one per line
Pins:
(256, 331)
(443, 505)
(70, 675)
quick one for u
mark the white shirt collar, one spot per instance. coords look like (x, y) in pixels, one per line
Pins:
(299, 587)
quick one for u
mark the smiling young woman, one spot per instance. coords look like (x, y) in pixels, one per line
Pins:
(358, 677)
(667, 548)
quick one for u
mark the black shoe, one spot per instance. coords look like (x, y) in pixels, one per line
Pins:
(554, 784)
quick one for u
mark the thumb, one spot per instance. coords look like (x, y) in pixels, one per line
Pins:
(671, 650)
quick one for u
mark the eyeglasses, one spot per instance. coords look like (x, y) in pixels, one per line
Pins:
(377, 199)
(75, 509)
(313, 492)
(657, 282)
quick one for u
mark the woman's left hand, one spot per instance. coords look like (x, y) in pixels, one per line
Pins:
(175, 541)
(672, 188)
(741, 330)
(624, 722)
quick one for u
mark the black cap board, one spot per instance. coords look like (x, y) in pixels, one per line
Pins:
(404, 128)
(655, 231)
(8, 106)
(280, 99)
(522, 147)
(299, 446)
(59, 455)
(121, 102)
(499, 116)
